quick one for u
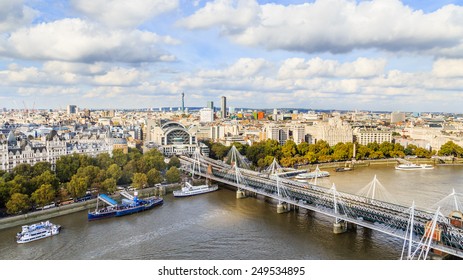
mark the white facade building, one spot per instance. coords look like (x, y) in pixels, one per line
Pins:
(365, 136)
(206, 115)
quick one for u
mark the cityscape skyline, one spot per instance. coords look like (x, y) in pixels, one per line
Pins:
(325, 54)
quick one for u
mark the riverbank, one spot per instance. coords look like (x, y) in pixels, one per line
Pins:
(36, 216)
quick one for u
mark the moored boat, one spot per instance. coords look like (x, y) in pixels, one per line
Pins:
(37, 231)
(413, 166)
(128, 206)
(342, 169)
(312, 175)
(190, 190)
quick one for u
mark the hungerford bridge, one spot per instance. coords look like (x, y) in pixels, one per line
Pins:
(421, 231)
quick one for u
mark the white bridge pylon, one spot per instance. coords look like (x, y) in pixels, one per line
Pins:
(374, 190)
(451, 202)
(273, 168)
(236, 158)
(196, 166)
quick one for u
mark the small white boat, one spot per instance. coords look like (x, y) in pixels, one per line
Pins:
(189, 190)
(311, 175)
(37, 231)
(412, 166)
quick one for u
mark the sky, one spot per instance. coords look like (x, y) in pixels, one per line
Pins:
(386, 55)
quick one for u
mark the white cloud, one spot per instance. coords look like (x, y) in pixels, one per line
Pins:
(54, 67)
(244, 67)
(317, 67)
(336, 26)
(123, 13)
(448, 68)
(76, 40)
(233, 15)
(14, 14)
(121, 77)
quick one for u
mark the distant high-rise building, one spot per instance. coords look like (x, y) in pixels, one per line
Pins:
(210, 105)
(232, 110)
(224, 107)
(183, 102)
(206, 115)
(71, 109)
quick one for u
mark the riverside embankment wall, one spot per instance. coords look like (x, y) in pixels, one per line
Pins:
(36, 216)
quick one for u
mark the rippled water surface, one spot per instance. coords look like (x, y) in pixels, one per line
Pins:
(218, 226)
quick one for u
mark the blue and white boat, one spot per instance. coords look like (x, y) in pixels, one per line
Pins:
(37, 231)
(128, 206)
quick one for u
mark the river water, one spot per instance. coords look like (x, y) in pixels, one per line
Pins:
(218, 226)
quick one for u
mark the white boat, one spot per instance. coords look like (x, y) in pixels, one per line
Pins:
(189, 190)
(37, 231)
(311, 175)
(412, 166)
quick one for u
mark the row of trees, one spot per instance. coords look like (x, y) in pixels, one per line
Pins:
(262, 154)
(76, 174)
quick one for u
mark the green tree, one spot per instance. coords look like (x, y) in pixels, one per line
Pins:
(24, 183)
(386, 148)
(173, 175)
(119, 157)
(114, 171)
(136, 154)
(410, 150)
(289, 149)
(311, 157)
(92, 173)
(264, 162)
(77, 186)
(40, 168)
(139, 180)
(422, 153)
(174, 161)
(255, 152)
(303, 148)
(109, 185)
(15, 187)
(103, 161)
(66, 167)
(272, 148)
(18, 203)
(44, 195)
(127, 172)
(4, 193)
(46, 178)
(85, 160)
(362, 152)
(341, 152)
(23, 169)
(154, 177)
(219, 150)
(451, 149)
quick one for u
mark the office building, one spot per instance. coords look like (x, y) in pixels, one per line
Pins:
(206, 115)
(210, 105)
(223, 110)
(72, 109)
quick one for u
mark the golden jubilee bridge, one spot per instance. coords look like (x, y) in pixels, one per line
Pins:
(422, 231)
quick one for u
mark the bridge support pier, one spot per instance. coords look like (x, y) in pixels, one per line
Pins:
(283, 208)
(339, 227)
(240, 194)
(351, 226)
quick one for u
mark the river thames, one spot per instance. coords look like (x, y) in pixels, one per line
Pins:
(219, 226)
